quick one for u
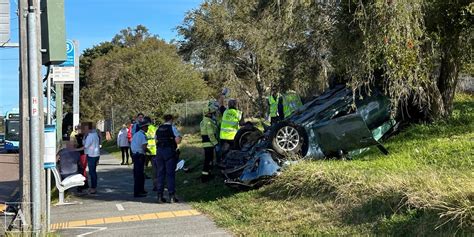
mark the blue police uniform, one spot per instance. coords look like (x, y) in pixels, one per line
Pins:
(166, 157)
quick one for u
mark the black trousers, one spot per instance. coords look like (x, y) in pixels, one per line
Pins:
(138, 173)
(124, 150)
(208, 159)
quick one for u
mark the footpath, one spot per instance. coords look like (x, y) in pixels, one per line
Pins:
(113, 211)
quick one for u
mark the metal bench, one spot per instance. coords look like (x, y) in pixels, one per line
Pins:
(69, 182)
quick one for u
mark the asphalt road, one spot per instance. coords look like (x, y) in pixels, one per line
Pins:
(113, 211)
(9, 184)
(9, 176)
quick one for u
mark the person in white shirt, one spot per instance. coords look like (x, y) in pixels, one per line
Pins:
(92, 150)
(139, 147)
(122, 142)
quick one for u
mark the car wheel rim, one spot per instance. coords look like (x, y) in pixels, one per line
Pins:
(287, 138)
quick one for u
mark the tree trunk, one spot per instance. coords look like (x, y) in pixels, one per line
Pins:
(448, 77)
(259, 84)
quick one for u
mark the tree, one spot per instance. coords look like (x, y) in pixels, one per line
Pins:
(256, 45)
(412, 49)
(146, 77)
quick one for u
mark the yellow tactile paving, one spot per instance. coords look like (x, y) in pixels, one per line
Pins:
(130, 218)
(194, 212)
(95, 221)
(111, 220)
(76, 223)
(182, 213)
(150, 216)
(121, 219)
(168, 214)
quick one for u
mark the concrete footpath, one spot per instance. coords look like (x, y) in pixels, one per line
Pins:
(113, 211)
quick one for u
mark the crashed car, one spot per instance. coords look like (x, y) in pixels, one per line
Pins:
(334, 124)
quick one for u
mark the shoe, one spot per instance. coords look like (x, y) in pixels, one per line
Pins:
(92, 191)
(140, 195)
(161, 199)
(155, 189)
(144, 192)
(122, 163)
(173, 199)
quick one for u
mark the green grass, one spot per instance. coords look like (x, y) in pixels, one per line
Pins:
(425, 187)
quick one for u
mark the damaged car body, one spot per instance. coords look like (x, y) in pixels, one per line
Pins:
(334, 124)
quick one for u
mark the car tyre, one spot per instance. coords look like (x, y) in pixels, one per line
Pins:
(246, 137)
(288, 139)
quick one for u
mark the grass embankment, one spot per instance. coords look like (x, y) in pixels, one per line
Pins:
(425, 186)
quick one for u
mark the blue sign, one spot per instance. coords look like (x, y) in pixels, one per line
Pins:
(70, 51)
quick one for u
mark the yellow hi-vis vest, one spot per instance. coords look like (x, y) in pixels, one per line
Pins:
(291, 102)
(150, 136)
(273, 103)
(208, 132)
(230, 124)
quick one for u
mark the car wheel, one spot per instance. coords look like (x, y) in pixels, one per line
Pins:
(246, 137)
(287, 138)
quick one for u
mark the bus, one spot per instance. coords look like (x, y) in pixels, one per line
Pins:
(12, 131)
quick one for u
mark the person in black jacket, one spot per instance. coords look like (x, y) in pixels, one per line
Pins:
(167, 139)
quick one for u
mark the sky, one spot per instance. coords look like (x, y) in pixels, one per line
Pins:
(91, 22)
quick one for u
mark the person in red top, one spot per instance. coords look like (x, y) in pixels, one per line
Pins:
(129, 134)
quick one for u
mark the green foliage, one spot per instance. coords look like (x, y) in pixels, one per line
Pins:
(424, 187)
(253, 46)
(412, 49)
(144, 75)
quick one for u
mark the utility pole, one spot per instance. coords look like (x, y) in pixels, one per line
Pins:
(25, 114)
(34, 79)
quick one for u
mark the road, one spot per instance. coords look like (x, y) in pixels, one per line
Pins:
(113, 211)
(9, 176)
(9, 182)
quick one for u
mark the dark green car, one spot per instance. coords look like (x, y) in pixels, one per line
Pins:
(333, 124)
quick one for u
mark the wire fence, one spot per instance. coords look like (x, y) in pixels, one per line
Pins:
(188, 113)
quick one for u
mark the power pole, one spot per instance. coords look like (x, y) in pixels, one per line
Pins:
(36, 121)
(25, 114)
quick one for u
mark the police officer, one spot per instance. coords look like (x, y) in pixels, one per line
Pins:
(289, 103)
(139, 147)
(273, 100)
(167, 139)
(209, 138)
(232, 118)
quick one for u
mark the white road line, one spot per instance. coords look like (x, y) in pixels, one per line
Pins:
(95, 229)
(119, 207)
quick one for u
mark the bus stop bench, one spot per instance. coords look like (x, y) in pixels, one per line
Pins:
(69, 182)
